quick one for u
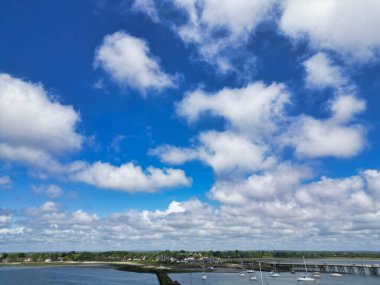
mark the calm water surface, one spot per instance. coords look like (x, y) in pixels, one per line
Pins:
(81, 275)
(284, 279)
(72, 275)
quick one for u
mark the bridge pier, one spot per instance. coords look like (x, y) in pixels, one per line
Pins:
(351, 270)
(341, 269)
(361, 270)
(374, 271)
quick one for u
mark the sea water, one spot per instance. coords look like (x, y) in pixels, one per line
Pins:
(69, 275)
(284, 279)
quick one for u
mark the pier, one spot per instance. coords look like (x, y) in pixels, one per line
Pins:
(323, 267)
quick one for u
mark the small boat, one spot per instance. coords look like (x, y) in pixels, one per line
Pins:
(204, 276)
(306, 276)
(242, 273)
(336, 275)
(252, 274)
(316, 275)
(261, 275)
(274, 273)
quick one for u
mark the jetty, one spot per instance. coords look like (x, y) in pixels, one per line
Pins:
(325, 267)
(160, 271)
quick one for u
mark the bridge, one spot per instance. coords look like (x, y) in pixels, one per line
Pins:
(323, 267)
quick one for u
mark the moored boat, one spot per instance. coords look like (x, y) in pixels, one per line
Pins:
(336, 274)
(305, 277)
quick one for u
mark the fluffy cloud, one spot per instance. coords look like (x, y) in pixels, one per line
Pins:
(255, 109)
(329, 190)
(345, 107)
(52, 191)
(333, 212)
(275, 184)
(336, 136)
(212, 26)
(318, 138)
(12, 231)
(346, 27)
(129, 177)
(33, 125)
(372, 178)
(81, 217)
(5, 181)
(5, 218)
(129, 61)
(321, 72)
(222, 151)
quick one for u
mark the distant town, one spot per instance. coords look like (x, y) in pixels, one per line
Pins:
(175, 257)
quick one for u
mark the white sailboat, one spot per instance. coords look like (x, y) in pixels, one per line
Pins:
(251, 270)
(261, 275)
(204, 276)
(252, 278)
(252, 274)
(242, 273)
(305, 277)
(336, 275)
(274, 273)
(316, 275)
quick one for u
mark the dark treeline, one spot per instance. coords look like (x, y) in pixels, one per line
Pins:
(176, 256)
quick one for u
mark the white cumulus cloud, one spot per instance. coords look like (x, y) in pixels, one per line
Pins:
(321, 72)
(5, 180)
(216, 28)
(129, 177)
(128, 61)
(33, 125)
(347, 27)
(222, 151)
(52, 191)
(336, 136)
(254, 109)
(318, 138)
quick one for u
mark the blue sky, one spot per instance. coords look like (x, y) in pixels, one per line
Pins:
(194, 124)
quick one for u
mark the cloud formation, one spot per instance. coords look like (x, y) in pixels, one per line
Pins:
(129, 177)
(255, 109)
(322, 73)
(52, 191)
(346, 27)
(129, 62)
(333, 212)
(212, 26)
(5, 181)
(222, 151)
(34, 126)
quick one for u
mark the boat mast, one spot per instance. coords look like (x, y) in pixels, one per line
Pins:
(305, 264)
